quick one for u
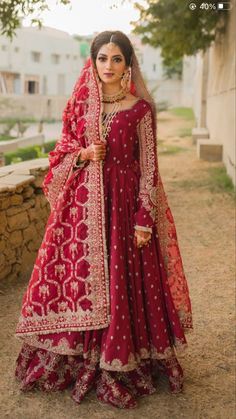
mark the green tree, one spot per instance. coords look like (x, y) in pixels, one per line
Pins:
(12, 12)
(178, 30)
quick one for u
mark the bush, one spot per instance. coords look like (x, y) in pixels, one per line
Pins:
(29, 153)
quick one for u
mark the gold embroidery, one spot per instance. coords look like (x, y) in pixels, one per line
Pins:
(148, 187)
(62, 310)
(95, 355)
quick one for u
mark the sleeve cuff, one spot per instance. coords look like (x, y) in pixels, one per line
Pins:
(141, 228)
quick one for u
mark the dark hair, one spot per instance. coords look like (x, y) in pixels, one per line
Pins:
(119, 38)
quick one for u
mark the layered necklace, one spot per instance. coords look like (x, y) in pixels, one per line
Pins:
(108, 117)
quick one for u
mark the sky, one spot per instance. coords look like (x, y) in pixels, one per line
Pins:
(84, 17)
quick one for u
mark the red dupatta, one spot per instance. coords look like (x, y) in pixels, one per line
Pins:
(69, 286)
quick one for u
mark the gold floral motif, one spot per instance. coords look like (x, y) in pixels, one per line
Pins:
(154, 200)
(95, 355)
(62, 312)
(148, 187)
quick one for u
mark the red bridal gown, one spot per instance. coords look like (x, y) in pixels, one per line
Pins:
(144, 326)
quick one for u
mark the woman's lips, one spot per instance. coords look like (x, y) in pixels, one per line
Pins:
(108, 74)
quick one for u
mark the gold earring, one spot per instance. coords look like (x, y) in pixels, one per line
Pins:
(126, 80)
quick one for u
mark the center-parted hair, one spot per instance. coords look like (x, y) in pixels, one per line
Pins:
(118, 38)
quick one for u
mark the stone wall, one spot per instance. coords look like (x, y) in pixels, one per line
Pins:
(24, 211)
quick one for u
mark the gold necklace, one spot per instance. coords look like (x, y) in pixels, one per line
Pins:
(113, 98)
(108, 118)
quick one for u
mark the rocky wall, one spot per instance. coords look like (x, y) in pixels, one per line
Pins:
(24, 211)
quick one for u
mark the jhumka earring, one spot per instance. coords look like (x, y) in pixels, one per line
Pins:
(126, 80)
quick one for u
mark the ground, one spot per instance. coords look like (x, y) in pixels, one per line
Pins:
(204, 217)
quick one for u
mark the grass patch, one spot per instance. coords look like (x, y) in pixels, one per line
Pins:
(171, 149)
(186, 113)
(220, 180)
(5, 137)
(215, 180)
(28, 120)
(185, 132)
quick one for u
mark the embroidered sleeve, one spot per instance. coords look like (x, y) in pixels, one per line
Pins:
(145, 216)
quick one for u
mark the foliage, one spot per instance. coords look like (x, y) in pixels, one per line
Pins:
(186, 113)
(177, 30)
(12, 11)
(6, 137)
(49, 146)
(31, 120)
(174, 69)
(29, 153)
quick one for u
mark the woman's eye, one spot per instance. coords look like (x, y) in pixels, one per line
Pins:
(117, 60)
(101, 58)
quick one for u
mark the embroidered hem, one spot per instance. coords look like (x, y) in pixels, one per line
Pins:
(95, 355)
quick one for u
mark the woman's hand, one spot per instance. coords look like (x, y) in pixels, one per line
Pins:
(94, 152)
(142, 237)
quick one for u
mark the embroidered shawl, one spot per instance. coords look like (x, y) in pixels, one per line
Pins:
(69, 285)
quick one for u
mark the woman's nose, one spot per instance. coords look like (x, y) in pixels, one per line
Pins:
(109, 65)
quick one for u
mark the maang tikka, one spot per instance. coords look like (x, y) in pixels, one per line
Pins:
(111, 43)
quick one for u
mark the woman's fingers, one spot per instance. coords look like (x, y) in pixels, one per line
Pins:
(99, 151)
(142, 238)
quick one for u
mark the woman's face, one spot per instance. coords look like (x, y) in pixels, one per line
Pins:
(110, 64)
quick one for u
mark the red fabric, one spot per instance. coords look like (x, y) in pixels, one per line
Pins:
(97, 306)
(69, 289)
(38, 368)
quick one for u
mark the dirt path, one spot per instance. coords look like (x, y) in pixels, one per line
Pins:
(204, 222)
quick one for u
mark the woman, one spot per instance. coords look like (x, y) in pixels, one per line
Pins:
(108, 301)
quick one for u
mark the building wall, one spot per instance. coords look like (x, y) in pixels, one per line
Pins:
(221, 94)
(47, 62)
(50, 55)
(151, 65)
(188, 81)
(32, 106)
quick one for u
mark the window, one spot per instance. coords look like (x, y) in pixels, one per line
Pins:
(31, 85)
(16, 49)
(154, 67)
(55, 58)
(35, 56)
(4, 48)
(67, 56)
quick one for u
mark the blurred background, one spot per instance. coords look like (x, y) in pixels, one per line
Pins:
(186, 52)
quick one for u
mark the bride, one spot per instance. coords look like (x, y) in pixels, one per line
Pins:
(107, 302)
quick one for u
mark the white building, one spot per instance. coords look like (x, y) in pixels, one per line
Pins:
(39, 68)
(45, 62)
(162, 88)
